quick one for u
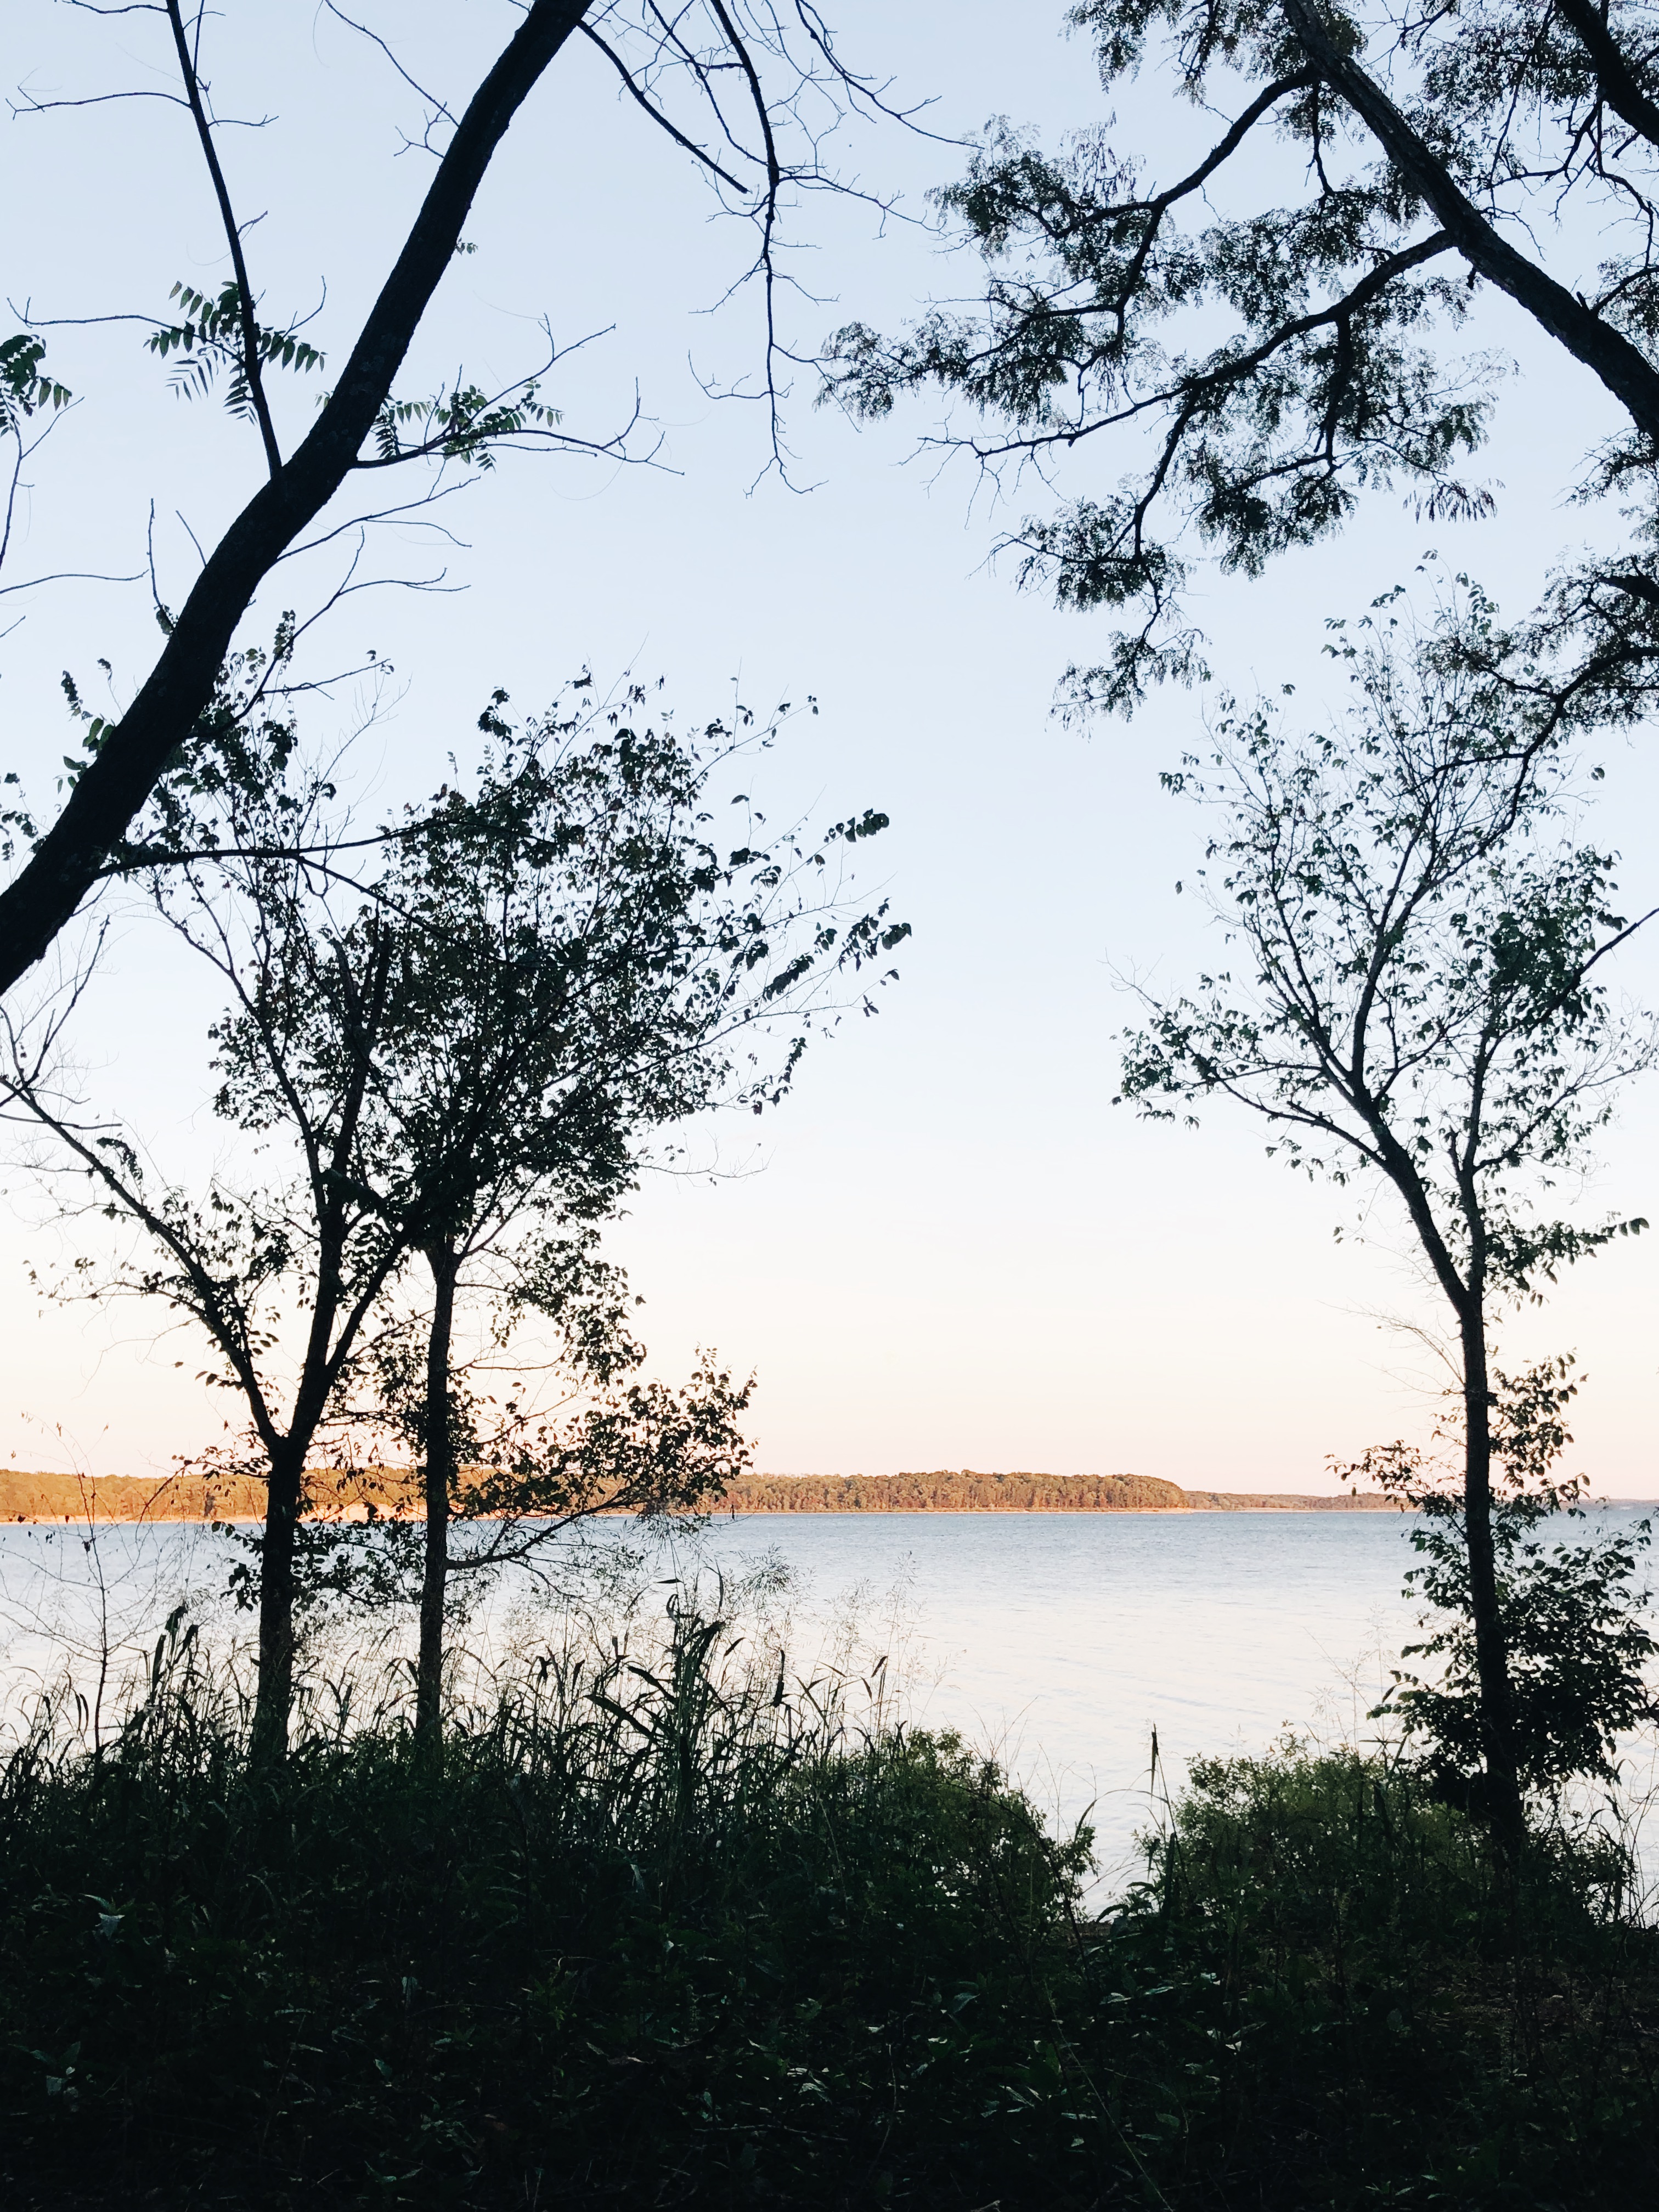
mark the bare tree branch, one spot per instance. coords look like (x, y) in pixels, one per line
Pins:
(233, 236)
(637, 92)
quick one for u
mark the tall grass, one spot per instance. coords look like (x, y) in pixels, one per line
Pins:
(665, 1921)
(672, 1926)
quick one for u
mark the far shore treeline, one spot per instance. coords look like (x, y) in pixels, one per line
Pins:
(391, 1492)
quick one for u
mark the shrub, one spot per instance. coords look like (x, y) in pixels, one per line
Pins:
(665, 1930)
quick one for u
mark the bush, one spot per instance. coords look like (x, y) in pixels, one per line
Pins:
(1391, 2020)
(1572, 1616)
(1575, 1623)
(649, 1934)
(658, 1934)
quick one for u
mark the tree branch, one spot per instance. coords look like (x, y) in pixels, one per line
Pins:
(116, 782)
(1615, 79)
(1625, 371)
(234, 239)
(636, 90)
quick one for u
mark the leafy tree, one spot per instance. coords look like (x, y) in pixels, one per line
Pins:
(1415, 995)
(497, 1479)
(749, 93)
(1575, 1636)
(577, 965)
(545, 973)
(1264, 337)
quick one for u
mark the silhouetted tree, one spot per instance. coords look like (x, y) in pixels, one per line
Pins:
(577, 966)
(1259, 338)
(546, 972)
(1413, 992)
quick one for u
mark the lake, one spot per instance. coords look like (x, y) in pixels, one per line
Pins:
(1058, 1641)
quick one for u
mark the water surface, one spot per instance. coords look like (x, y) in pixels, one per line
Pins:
(1058, 1641)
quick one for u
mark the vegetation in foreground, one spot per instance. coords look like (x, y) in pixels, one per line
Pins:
(675, 1933)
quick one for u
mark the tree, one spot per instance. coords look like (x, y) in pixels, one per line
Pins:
(1260, 363)
(578, 966)
(400, 1116)
(1417, 997)
(763, 88)
(1574, 1636)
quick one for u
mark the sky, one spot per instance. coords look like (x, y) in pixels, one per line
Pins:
(948, 1248)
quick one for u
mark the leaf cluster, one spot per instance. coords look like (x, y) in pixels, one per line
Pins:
(1574, 1617)
(24, 390)
(212, 342)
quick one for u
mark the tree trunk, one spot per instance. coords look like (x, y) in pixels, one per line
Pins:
(117, 780)
(439, 1478)
(1491, 1645)
(274, 1700)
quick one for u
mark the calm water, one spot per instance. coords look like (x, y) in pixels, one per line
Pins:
(1062, 1640)
(1059, 1641)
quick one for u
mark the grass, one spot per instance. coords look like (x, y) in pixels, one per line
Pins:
(662, 1932)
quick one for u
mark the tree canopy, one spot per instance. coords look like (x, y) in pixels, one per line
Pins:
(462, 1059)
(1249, 346)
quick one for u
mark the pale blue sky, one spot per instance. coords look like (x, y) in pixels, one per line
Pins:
(951, 1250)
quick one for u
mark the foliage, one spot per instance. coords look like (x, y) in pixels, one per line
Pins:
(669, 1929)
(462, 1058)
(582, 889)
(23, 389)
(1418, 993)
(221, 333)
(25, 392)
(573, 966)
(1574, 1619)
(235, 776)
(660, 1915)
(1421, 999)
(1264, 333)
(213, 340)
(1387, 2020)
(1577, 1642)
(515, 1475)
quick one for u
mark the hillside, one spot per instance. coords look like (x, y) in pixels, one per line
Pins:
(195, 1497)
(943, 1492)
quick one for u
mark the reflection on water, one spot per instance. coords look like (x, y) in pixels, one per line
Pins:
(1059, 1641)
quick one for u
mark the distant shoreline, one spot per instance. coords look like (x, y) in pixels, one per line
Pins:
(48, 1499)
(45, 1500)
(1312, 1502)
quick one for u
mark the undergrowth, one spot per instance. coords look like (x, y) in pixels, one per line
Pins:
(673, 1931)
